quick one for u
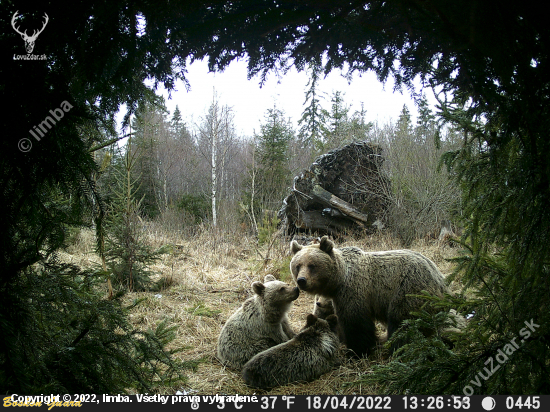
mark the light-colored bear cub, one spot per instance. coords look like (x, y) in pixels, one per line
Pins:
(260, 323)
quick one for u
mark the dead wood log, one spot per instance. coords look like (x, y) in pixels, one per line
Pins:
(342, 190)
(315, 220)
(343, 206)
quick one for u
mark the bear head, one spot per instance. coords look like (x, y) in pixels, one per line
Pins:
(274, 293)
(331, 322)
(314, 267)
(323, 307)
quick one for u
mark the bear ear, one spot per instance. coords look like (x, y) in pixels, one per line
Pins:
(310, 320)
(269, 278)
(258, 288)
(333, 322)
(326, 244)
(295, 247)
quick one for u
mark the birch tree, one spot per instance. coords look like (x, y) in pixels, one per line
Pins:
(216, 138)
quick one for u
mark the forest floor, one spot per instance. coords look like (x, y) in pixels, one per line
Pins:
(209, 276)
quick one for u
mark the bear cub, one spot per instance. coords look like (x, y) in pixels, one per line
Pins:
(260, 323)
(304, 358)
(323, 307)
(365, 287)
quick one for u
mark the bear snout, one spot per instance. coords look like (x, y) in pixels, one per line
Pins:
(302, 282)
(294, 294)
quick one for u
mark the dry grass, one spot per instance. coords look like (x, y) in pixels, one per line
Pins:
(209, 276)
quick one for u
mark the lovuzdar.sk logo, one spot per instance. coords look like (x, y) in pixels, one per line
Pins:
(29, 40)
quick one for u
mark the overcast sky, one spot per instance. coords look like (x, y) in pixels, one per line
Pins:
(250, 102)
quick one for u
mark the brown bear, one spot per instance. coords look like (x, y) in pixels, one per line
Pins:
(260, 323)
(365, 286)
(311, 353)
(323, 307)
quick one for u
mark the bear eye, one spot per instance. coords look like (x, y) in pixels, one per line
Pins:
(298, 266)
(282, 288)
(311, 266)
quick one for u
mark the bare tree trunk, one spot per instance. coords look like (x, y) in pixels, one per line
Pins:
(253, 191)
(216, 133)
(164, 188)
(215, 137)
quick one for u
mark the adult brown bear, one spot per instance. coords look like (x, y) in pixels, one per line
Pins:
(365, 286)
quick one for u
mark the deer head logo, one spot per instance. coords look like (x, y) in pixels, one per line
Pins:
(29, 40)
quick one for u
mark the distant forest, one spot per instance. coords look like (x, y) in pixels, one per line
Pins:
(204, 173)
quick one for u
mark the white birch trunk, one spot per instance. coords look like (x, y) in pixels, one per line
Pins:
(215, 137)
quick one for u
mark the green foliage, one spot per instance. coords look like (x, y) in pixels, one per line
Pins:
(267, 228)
(328, 129)
(57, 335)
(148, 134)
(273, 140)
(313, 120)
(178, 125)
(265, 185)
(199, 309)
(272, 149)
(337, 119)
(68, 339)
(502, 168)
(282, 269)
(198, 206)
(416, 367)
(358, 128)
(502, 350)
(127, 255)
(425, 124)
(108, 162)
(505, 264)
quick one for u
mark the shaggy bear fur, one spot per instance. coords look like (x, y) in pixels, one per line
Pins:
(365, 286)
(311, 353)
(260, 323)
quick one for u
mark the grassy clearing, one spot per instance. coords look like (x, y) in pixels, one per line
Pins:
(208, 277)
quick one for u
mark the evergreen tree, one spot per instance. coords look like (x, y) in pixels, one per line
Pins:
(404, 123)
(150, 131)
(425, 124)
(359, 128)
(177, 124)
(313, 117)
(85, 345)
(127, 255)
(272, 148)
(59, 334)
(338, 122)
(503, 269)
(182, 155)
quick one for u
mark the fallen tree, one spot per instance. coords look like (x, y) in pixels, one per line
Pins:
(341, 191)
